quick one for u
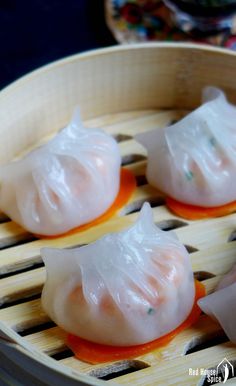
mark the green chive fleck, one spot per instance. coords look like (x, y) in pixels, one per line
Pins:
(212, 141)
(151, 311)
(189, 175)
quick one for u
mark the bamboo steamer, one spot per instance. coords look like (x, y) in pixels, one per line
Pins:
(125, 90)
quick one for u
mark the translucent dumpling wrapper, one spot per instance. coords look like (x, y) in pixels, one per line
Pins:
(228, 279)
(126, 288)
(69, 181)
(194, 160)
(221, 304)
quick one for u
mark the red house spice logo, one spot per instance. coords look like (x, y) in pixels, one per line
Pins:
(220, 374)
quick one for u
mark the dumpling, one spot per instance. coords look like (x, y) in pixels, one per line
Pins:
(69, 181)
(228, 279)
(194, 160)
(221, 304)
(138, 281)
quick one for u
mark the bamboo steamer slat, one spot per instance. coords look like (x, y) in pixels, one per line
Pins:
(125, 90)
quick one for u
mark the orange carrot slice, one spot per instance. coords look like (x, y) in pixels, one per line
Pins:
(192, 212)
(127, 188)
(95, 353)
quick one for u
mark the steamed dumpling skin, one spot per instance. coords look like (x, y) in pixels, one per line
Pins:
(194, 160)
(69, 181)
(124, 289)
(228, 279)
(221, 304)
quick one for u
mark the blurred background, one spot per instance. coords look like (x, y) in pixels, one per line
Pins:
(36, 32)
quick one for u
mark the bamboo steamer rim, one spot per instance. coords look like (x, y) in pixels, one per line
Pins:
(13, 338)
(114, 49)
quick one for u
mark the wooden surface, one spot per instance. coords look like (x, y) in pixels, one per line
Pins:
(213, 254)
(113, 80)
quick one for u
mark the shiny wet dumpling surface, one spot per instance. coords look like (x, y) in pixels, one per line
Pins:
(194, 160)
(124, 289)
(221, 304)
(69, 181)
